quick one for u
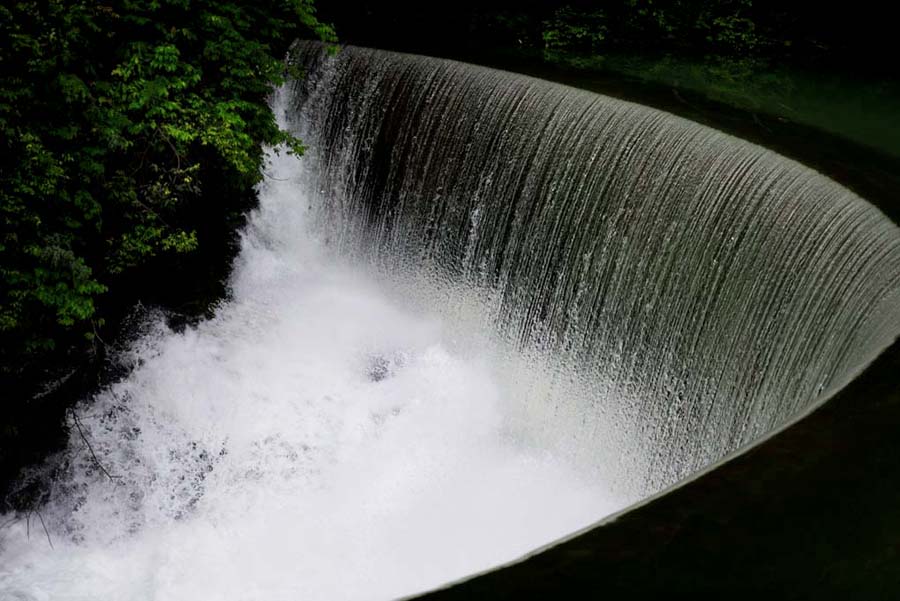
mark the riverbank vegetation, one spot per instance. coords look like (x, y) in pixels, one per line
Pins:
(132, 135)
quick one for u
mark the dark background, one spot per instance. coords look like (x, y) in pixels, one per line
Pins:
(856, 37)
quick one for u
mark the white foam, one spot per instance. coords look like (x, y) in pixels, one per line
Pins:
(318, 439)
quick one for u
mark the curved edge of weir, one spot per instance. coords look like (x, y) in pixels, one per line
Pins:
(596, 527)
(840, 381)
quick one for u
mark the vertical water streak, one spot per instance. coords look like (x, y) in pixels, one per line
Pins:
(705, 288)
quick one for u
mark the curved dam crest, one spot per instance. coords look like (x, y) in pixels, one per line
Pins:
(705, 289)
(481, 313)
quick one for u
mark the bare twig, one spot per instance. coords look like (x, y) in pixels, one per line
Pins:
(277, 179)
(96, 334)
(10, 522)
(89, 447)
(150, 210)
(47, 532)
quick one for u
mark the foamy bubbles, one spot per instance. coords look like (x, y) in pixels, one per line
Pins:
(317, 439)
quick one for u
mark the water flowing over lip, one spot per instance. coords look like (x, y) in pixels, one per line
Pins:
(483, 312)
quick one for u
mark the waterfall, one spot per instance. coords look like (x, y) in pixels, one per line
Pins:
(705, 288)
(483, 311)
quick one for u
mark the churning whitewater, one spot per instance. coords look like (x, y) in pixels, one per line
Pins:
(482, 312)
(317, 439)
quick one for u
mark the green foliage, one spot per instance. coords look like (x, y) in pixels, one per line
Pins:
(569, 29)
(717, 27)
(729, 27)
(107, 113)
